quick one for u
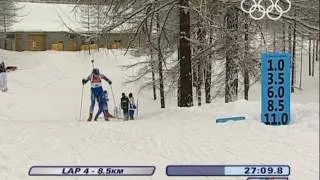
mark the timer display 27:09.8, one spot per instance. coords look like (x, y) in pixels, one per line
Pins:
(268, 170)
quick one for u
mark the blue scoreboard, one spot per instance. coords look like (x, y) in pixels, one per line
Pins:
(276, 88)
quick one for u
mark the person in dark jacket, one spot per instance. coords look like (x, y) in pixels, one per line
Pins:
(125, 106)
(2, 67)
(3, 77)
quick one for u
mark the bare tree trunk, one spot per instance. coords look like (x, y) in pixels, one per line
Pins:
(199, 83)
(5, 32)
(162, 100)
(313, 56)
(207, 68)
(88, 6)
(246, 56)
(301, 55)
(317, 49)
(178, 90)
(185, 56)
(207, 85)
(153, 75)
(208, 73)
(293, 76)
(201, 36)
(284, 37)
(290, 38)
(310, 65)
(274, 39)
(152, 61)
(98, 26)
(231, 86)
(194, 70)
(160, 59)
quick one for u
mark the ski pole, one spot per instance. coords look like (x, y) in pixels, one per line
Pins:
(138, 101)
(81, 101)
(92, 62)
(114, 100)
(137, 107)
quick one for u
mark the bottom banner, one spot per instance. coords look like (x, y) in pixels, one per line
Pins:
(92, 170)
(267, 178)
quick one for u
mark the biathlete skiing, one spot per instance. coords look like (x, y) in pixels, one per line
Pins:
(98, 93)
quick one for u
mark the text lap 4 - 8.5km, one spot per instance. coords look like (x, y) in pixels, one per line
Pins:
(276, 88)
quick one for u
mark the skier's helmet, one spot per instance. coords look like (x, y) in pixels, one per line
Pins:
(95, 71)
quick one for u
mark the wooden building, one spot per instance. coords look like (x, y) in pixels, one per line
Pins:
(36, 32)
(41, 41)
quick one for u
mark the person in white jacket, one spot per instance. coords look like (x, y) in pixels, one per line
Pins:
(3, 78)
(132, 106)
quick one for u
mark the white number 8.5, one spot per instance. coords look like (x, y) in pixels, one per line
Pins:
(258, 7)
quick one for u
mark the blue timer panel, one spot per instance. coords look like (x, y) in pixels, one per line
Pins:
(228, 170)
(276, 88)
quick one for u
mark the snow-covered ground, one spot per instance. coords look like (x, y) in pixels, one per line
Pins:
(39, 124)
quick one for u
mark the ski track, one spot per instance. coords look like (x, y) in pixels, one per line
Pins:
(187, 148)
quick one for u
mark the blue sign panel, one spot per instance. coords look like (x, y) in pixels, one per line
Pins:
(276, 88)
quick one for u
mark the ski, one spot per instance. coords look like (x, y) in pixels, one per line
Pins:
(110, 119)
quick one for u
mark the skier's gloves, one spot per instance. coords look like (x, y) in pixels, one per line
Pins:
(84, 81)
(110, 82)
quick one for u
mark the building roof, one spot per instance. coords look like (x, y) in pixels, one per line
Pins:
(40, 17)
(45, 17)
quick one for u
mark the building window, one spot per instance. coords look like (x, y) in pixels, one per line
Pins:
(10, 36)
(71, 36)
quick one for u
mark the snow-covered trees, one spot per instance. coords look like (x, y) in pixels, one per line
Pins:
(304, 23)
(209, 46)
(232, 55)
(90, 14)
(8, 16)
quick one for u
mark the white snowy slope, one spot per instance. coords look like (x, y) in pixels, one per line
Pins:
(39, 124)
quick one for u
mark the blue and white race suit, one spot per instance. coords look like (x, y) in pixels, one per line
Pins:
(97, 90)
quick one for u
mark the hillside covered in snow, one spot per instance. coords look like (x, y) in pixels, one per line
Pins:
(39, 123)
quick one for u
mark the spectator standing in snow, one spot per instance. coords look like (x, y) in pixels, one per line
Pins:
(96, 91)
(3, 77)
(125, 106)
(132, 106)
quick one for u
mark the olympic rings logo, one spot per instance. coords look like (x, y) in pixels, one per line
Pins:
(265, 11)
